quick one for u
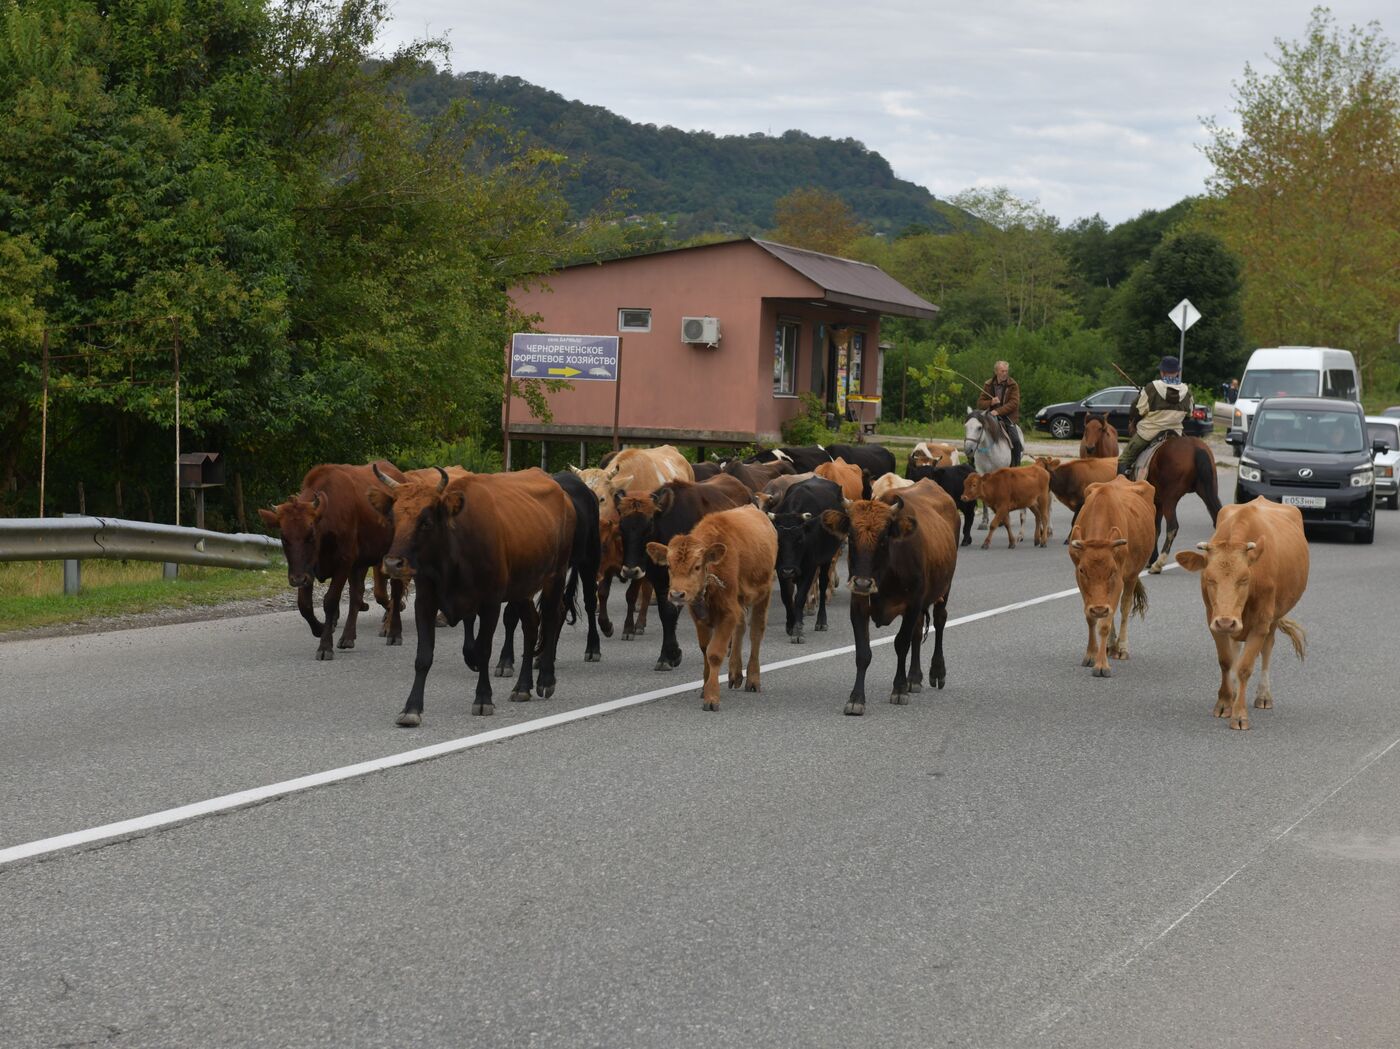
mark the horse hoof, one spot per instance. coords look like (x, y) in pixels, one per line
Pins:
(545, 691)
(707, 705)
(639, 631)
(483, 709)
(520, 697)
(967, 540)
(345, 642)
(504, 669)
(855, 709)
(409, 719)
(606, 628)
(364, 607)
(1155, 569)
(324, 653)
(593, 657)
(396, 639)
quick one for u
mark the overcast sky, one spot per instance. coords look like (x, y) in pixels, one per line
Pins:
(1088, 106)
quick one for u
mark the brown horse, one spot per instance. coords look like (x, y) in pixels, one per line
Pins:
(1100, 440)
(1180, 465)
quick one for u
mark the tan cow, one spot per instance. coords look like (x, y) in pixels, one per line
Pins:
(933, 453)
(847, 475)
(597, 480)
(1110, 544)
(888, 483)
(644, 470)
(1070, 480)
(1253, 571)
(723, 570)
(1013, 488)
(610, 567)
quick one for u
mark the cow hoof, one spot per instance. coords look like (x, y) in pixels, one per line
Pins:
(915, 687)
(939, 682)
(520, 697)
(1222, 709)
(821, 626)
(639, 631)
(364, 607)
(1118, 653)
(899, 699)
(1264, 702)
(1240, 723)
(544, 691)
(345, 642)
(967, 540)
(1102, 672)
(1087, 661)
(707, 705)
(504, 669)
(483, 709)
(662, 664)
(751, 686)
(855, 709)
(593, 657)
(606, 628)
(409, 719)
(325, 653)
(395, 640)
(383, 631)
(987, 545)
(798, 639)
(628, 635)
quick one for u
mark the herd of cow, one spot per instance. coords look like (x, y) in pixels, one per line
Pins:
(713, 538)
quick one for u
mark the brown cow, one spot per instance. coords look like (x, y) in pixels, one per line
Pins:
(473, 545)
(1100, 440)
(1013, 488)
(1110, 545)
(1070, 480)
(854, 484)
(643, 470)
(756, 476)
(1253, 571)
(723, 571)
(903, 552)
(639, 591)
(330, 531)
(771, 497)
(931, 453)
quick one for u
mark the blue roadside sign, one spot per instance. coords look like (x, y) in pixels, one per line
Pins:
(577, 358)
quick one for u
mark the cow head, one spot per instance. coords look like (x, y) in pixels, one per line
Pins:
(297, 521)
(636, 521)
(1100, 569)
(972, 488)
(870, 526)
(691, 566)
(1226, 570)
(795, 532)
(419, 513)
(1048, 463)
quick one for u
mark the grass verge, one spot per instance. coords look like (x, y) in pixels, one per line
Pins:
(31, 592)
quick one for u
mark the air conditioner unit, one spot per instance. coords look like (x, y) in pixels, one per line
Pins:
(700, 330)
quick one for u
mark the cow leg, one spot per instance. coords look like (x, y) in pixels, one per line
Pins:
(505, 666)
(1264, 696)
(330, 605)
(860, 627)
(900, 693)
(629, 625)
(529, 617)
(720, 640)
(551, 623)
(937, 669)
(702, 640)
(787, 590)
(644, 596)
(352, 613)
(1118, 644)
(593, 651)
(425, 619)
(306, 606)
(381, 598)
(823, 574)
(489, 615)
(969, 511)
(916, 661)
(1226, 653)
(1021, 527)
(1244, 667)
(1099, 630)
(758, 626)
(395, 612)
(736, 652)
(982, 522)
(670, 657)
(603, 588)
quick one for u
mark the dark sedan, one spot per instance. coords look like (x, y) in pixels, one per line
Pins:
(1067, 420)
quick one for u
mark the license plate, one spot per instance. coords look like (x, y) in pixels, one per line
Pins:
(1307, 502)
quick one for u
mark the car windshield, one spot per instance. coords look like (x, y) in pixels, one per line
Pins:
(1383, 432)
(1260, 383)
(1302, 430)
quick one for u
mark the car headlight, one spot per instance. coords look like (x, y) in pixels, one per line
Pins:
(1363, 478)
(1385, 471)
(1250, 473)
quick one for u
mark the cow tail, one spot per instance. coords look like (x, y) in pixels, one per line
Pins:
(570, 597)
(1139, 598)
(1296, 634)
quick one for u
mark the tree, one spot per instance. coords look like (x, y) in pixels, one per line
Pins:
(1307, 192)
(815, 219)
(1194, 265)
(1020, 256)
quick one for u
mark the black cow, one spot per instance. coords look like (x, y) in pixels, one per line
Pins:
(755, 476)
(658, 517)
(950, 479)
(874, 458)
(804, 458)
(805, 549)
(584, 559)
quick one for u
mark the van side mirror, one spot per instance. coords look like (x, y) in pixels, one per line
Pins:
(1380, 447)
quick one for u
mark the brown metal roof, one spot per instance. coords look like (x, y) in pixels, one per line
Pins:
(850, 283)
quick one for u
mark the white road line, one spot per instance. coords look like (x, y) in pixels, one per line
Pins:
(244, 798)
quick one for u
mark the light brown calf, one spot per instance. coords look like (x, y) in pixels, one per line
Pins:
(890, 482)
(1110, 545)
(1253, 571)
(847, 475)
(723, 570)
(1013, 488)
(643, 470)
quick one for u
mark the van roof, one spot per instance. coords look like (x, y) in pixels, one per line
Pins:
(1297, 356)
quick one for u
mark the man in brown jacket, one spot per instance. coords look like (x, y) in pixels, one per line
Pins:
(1001, 395)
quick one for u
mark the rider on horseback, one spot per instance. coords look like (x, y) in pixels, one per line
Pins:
(1001, 395)
(1161, 408)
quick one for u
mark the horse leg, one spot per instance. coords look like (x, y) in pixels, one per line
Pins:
(1169, 514)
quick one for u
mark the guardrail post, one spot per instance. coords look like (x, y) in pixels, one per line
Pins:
(72, 572)
(170, 570)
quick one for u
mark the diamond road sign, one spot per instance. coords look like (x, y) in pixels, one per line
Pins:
(578, 358)
(1184, 315)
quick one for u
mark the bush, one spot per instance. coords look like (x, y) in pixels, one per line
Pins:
(466, 452)
(809, 425)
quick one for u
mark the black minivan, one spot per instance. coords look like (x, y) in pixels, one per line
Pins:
(1312, 453)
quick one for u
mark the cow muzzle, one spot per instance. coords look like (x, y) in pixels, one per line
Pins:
(396, 568)
(297, 581)
(787, 573)
(677, 597)
(1225, 624)
(863, 586)
(631, 572)
(1099, 611)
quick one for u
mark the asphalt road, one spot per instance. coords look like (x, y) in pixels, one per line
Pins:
(1031, 857)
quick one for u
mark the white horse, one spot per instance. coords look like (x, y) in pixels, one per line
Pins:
(988, 448)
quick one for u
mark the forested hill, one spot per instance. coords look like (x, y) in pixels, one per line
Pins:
(697, 181)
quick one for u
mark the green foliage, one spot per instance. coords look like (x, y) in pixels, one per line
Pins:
(815, 219)
(469, 453)
(938, 389)
(1057, 363)
(809, 425)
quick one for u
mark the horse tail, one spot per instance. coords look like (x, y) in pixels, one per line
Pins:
(1139, 598)
(1207, 484)
(1296, 634)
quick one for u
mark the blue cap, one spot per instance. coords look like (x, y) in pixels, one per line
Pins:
(1169, 366)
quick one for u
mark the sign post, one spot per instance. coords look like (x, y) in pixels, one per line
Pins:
(1183, 315)
(577, 358)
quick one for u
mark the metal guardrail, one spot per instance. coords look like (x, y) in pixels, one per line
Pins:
(84, 538)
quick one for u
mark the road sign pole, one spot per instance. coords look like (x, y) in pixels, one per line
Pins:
(617, 393)
(1181, 353)
(505, 453)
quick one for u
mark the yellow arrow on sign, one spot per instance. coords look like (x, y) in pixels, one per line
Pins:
(566, 372)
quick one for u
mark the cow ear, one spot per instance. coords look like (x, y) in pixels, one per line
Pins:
(837, 523)
(269, 517)
(657, 552)
(905, 525)
(617, 501)
(381, 500)
(1190, 560)
(1253, 550)
(318, 504)
(663, 498)
(453, 501)
(715, 553)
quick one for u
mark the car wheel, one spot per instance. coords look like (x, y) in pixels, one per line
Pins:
(1062, 427)
(1393, 502)
(1366, 536)
(1241, 496)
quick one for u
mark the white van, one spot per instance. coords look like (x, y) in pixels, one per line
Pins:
(1295, 371)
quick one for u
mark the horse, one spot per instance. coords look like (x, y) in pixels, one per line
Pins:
(988, 448)
(1100, 440)
(1180, 465)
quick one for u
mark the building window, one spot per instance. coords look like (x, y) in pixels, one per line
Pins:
(633, 320)
(857, 362)
(785, 359)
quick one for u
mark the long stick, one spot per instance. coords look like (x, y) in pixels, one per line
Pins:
(944, 368)
(1125, 375)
